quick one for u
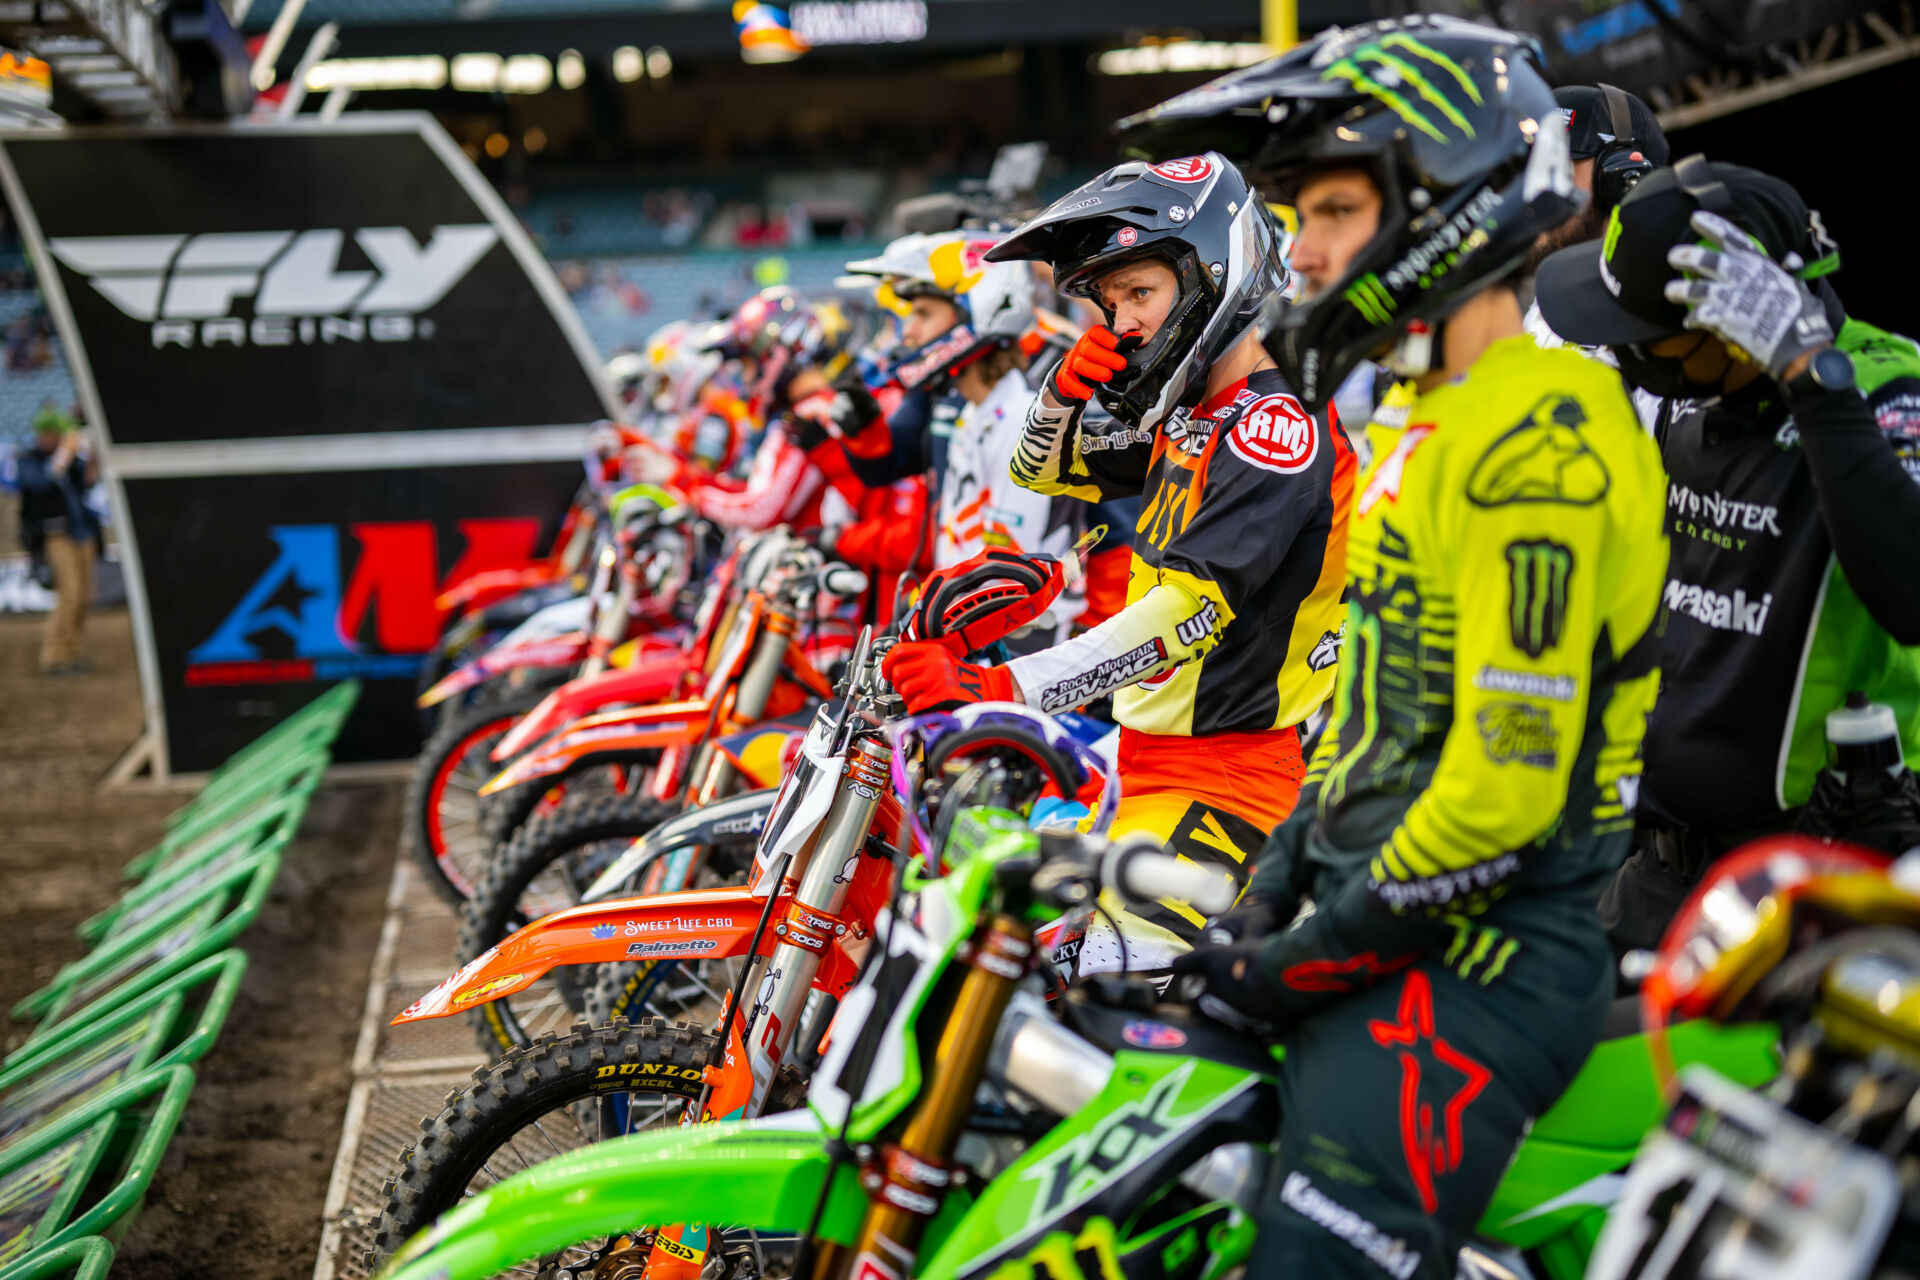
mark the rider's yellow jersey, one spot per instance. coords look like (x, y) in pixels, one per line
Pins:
(1505, 560)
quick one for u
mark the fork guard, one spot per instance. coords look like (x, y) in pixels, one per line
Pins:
(764, 1174)
(697, 924)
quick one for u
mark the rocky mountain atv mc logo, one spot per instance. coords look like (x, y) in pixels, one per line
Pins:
(1276, 434)
(190, 287)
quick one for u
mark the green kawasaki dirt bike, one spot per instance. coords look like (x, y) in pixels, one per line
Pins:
(960, 1126)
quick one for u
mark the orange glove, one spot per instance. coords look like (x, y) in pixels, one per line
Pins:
(931, 679)
(1093, 359)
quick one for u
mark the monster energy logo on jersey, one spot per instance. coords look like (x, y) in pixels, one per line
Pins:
(1538, 572)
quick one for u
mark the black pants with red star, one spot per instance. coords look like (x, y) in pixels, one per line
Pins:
(1402, 1105)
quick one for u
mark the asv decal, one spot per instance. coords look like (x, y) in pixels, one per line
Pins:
(1276, 434)
(299, 622)
(1185, 169)
(189, 287)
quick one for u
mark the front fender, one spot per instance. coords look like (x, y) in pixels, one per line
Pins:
(616, 735)
(647, 681)
(698, 924)
(765, 1174)
(735, 818)
(565, 650)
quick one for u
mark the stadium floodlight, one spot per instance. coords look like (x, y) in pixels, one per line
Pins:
(629, 64)
(526, 73)
(659, 63)
(477, 72)
(570, 69)
(1181, 55)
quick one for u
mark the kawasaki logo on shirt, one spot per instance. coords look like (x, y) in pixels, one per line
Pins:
(1737, 612)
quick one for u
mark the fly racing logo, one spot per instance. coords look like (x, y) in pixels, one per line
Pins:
(190, 288)
(1737, 612)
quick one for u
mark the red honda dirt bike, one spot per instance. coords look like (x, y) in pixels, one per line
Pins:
(642, 581)
(827, 862)
(673, 756)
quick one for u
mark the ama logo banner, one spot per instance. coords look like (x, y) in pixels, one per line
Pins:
(373, 622)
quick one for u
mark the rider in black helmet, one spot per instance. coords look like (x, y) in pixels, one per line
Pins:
(1470, 797)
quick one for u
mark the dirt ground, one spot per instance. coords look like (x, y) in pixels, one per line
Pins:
(239, 1192)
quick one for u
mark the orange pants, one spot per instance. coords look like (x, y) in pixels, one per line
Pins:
(1213, 800)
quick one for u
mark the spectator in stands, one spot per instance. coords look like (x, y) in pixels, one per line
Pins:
(58, 531)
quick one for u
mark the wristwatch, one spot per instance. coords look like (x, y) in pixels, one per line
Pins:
(1829, 371)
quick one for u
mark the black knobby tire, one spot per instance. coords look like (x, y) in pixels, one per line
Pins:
(510, 810)
(453, 756)
(558, 1081)
(540, 849)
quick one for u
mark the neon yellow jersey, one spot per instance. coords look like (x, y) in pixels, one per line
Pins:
(1505, 562)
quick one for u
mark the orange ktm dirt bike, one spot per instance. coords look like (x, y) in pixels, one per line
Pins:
(826, 867)
(644, 581)
(671, 757)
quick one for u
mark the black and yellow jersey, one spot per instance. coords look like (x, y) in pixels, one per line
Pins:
(1504, 565)
(1233, 613)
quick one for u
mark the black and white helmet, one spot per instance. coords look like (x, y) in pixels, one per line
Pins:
(1197, 215)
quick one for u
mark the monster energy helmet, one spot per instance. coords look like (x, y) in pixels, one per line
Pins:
(1198, 216)
(1457, 129)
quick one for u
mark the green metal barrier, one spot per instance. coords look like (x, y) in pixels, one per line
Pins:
(300, 773)
(84, 1259)
(268, 825)
(130, 963)
(318, 720)
(80, 1174)
(188, 1008)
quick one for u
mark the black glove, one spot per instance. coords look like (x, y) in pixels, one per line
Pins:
(854, 408)
(806, 433)
(1257, 915)
(1228, 985)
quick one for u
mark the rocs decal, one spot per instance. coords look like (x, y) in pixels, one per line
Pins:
(1542, 458)
(1431, 1136)
(1519, 732)
(1276, 434)
(1539, 572)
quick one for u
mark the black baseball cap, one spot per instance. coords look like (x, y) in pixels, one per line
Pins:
(1612, 291)
(1591, 124)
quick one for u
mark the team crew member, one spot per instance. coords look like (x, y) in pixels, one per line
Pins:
(1792, 508)
(1469, 800)
(1231, 628)
(1616, 141)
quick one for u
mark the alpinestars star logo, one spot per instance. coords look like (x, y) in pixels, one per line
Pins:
(190, 288)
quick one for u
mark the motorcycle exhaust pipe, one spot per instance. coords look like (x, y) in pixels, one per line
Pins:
(1040, 1060)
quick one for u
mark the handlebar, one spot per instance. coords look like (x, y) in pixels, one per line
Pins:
(1137, 867)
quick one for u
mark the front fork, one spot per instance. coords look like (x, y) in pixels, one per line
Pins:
(755, 1046)
(910, 1178)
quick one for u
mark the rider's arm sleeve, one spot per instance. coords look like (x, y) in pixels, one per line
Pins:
(1057, 456)
(1869, 500)
(1139, 642)
(780, 480)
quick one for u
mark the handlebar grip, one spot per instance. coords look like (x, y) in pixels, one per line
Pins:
(842, 580)
(1139, 869)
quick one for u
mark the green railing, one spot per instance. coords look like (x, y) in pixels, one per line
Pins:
(90, 1101)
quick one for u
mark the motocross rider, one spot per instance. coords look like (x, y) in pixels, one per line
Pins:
(1793, 453)
(1230, 632)
(1470, 797)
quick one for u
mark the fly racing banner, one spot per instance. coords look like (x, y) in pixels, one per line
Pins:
(330, 375)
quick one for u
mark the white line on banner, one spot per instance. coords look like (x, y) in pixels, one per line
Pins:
(365, 451)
